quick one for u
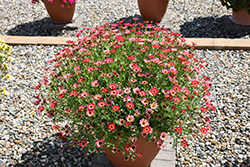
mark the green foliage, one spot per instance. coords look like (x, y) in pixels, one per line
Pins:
(236, 5)
(124, 81)
(5, 57)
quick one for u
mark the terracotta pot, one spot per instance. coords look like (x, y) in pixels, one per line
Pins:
(59, 14)
(241, 17)
(153, 10)
(148, 150)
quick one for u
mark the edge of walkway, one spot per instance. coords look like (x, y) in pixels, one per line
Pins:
(201, 43)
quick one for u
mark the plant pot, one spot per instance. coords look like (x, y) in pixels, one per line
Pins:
(148, 150)
(241, 17)
(59, 14)
(153, 10)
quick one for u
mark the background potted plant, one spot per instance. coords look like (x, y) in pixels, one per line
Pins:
(240, 11)
(5, 57)
(153, 10)
(124, 88)
(60, 11)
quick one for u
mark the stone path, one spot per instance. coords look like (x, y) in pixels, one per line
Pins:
(165, 158)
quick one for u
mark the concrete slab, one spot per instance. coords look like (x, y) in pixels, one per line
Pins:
(231, 26)
(75, 24)
(165, 21)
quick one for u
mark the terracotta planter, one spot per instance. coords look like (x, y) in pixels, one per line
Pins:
(59, 14)
(241, 17)
(153, 10)
(148, 150)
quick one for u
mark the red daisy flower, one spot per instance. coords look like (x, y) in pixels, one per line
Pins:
(40, 109)
(55, 127)
(73, 93)
(203, 109)
(111, 126)
(104, 90)
(154, 91)
(178, 129)
(130, 105)
(147, 129)
(203, 130)
(184, 143)
(115, 108)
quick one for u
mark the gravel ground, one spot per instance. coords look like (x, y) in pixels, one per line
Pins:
(27, 137)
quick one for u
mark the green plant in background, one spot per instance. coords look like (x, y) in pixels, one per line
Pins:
(121, 82)
(5, 57)
(236, 5)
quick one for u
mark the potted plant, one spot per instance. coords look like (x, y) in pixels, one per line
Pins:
(60, 11)
(5, 57)
(153, 10)
(125, 88)
(240, 11)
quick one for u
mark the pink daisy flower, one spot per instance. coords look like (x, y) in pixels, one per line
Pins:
(160, 144)
(112, 86)
(143, 122)
(40, 109)
(165, 71)
(130, 118)
(67, 110)
(136, 69)
(81, 108)
(154, 91)
(77, 68)
(84, 94)
(51, 113)
(95, 83)
(83, 143)
(163, 136)
(102, 104)
(145, 101)
(114, 92)
(99, 143)
(91, 106)
(186, 91)
(90, 113)
(130, 105)
(142, 93)
(154, 106)
(176, 100)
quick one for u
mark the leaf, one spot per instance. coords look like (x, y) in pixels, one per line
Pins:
(244, 3)
(248, 10)
(232, 2)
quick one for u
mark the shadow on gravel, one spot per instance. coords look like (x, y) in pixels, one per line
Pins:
(34, 29)
(54, 152)
(245, 163)
(209, 27)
